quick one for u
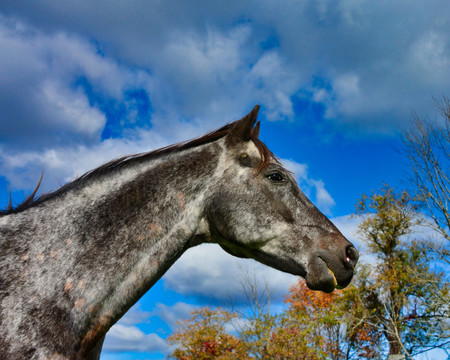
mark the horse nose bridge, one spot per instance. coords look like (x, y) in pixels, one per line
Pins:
(337, 246)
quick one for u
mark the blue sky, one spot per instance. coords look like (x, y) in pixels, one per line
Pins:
(337, 81)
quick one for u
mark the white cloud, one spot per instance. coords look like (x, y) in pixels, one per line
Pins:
(210, 62)
(314, 189)
(347, 85)
(41, 102)
(208, 272)
(431, 54)
(273, 83)
(346, 88)
(135, 315)
(323, 198)
(375, 67)
(227, 72)
(61, 164)
(171, 314)
(125, 336)
(72, 108)
(348, 225)
(122, 338)
(299, 170)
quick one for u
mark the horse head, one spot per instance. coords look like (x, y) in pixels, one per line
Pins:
(258, 211)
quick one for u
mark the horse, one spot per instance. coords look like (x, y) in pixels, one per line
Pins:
(73, 261)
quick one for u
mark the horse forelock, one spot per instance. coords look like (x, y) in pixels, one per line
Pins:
(120, 162)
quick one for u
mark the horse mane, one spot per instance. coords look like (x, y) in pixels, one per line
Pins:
(120, 162)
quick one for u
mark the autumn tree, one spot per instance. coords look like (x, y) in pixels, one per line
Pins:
(399, 290)
(332, 326)
(315, 326)
(317, 317)
(282, 336)
(275, 336)
(205, 337)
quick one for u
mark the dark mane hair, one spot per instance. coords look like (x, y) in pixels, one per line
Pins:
(120, 162)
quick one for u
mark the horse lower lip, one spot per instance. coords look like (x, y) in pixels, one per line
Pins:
(334, 277)
(318, 278)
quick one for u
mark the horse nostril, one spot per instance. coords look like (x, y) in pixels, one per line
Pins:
(352, 255)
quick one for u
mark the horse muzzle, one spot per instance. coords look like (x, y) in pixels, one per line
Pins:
(328, 271)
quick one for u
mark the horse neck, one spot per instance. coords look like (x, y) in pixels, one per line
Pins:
(98, 248)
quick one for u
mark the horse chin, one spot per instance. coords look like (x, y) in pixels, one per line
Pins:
(290, 267)
(235, 250)
(321, 277)
(324, 282)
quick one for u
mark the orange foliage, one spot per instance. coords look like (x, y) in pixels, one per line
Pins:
(203, 337)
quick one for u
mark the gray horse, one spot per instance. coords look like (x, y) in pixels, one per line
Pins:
(72, 262)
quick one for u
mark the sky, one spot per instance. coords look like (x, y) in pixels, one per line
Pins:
(83, 82)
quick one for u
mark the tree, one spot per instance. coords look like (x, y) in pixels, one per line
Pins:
(257, 329)
(400, 291)
(427, 146)
(282, 336)
(331, 324)
(204, 337)
(315, 326)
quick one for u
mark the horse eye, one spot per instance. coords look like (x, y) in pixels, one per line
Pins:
(276, 177)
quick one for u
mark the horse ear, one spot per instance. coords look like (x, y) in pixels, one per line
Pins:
(255, 132)
(243, 129)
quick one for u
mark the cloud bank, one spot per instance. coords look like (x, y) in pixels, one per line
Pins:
(77, 75)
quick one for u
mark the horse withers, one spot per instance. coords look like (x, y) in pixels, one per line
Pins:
(72, 262)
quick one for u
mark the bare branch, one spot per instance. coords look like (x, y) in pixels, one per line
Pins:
(427, 145)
